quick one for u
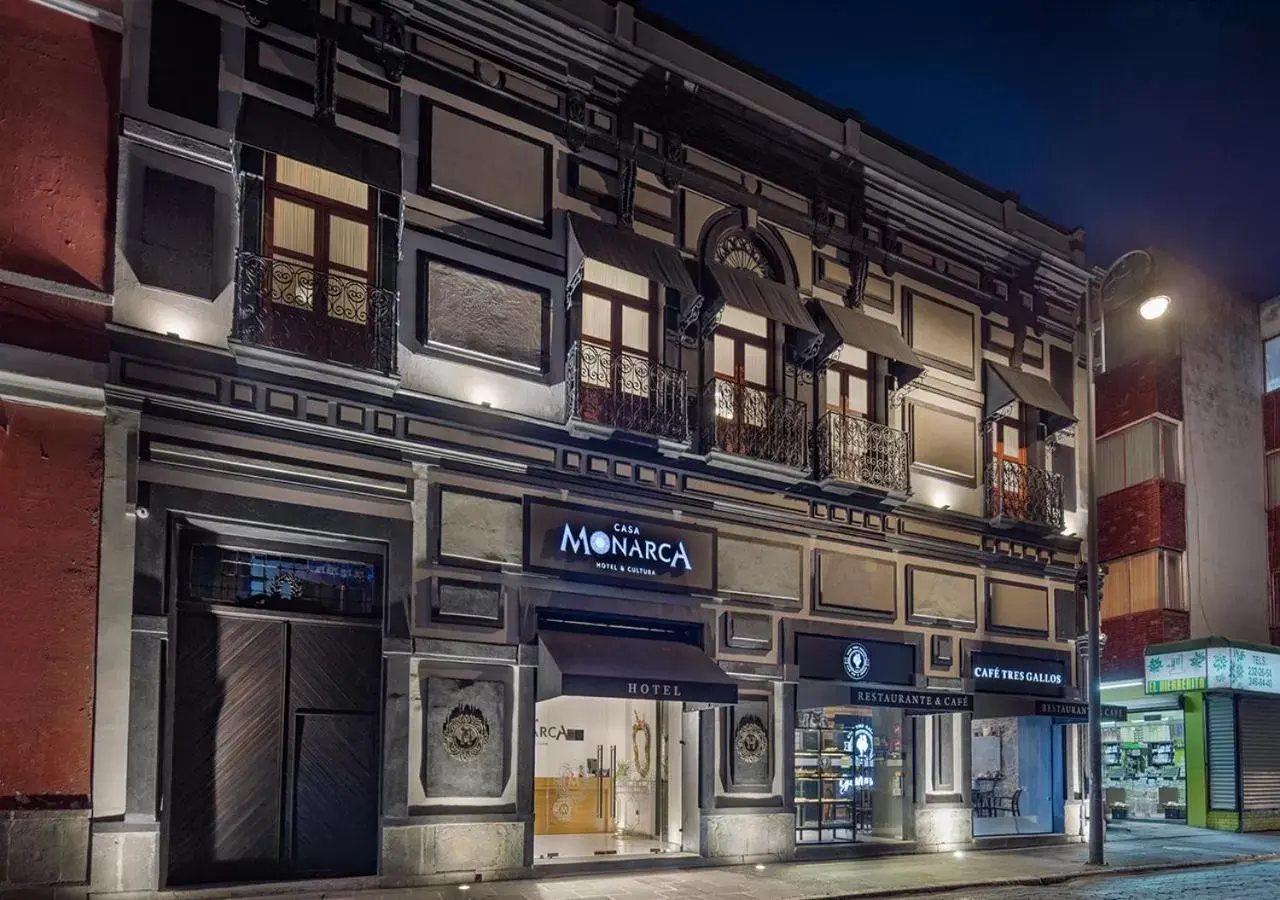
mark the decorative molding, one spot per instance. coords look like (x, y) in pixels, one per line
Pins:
(51, 380)
(86, 12)
(176, 144)
(55, 288)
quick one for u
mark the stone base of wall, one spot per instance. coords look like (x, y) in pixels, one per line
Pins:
(1073, 819)
(940, 828)
(125, 860)
(1260, 820)
(43, 847)
(749, 838)
(1222, 820)
(454, 852)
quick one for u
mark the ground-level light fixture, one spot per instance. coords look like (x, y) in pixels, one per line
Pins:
(1154, 306)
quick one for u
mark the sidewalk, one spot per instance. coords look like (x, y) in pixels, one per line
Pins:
(1135, 848)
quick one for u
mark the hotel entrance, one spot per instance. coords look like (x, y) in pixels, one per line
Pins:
(616, 738)
(607, 778)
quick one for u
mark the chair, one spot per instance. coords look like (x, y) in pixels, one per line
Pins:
(1013, 807)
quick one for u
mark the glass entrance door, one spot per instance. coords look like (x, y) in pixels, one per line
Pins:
(603, 779)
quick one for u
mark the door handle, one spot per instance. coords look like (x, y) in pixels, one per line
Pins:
(599, 781)
(613, 779)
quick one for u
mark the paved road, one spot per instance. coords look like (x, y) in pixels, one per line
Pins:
(1249, 881)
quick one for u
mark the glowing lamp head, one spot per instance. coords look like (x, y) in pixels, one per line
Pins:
(1154, 307)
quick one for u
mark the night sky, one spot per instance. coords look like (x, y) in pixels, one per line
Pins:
(1147, 122)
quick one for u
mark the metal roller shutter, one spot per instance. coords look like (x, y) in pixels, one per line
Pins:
(1220, 713)
(1259, 740)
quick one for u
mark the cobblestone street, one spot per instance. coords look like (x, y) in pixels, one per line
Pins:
(1250, 881)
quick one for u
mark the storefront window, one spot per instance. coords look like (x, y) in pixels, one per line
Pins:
(1018, 774)
(850, 774)
(1145, 768)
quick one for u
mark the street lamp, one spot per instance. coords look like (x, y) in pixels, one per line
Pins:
(1137, 267)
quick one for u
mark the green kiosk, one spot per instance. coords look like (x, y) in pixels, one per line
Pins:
(1201, 746)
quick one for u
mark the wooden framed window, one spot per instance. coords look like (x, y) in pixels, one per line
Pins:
(742, 357)
(619, 320)
(323, 222)
(1143, 581)
(1138, 453)
(849, 384)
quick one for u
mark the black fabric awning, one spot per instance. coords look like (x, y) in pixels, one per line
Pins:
(1005, 385)
(630, 252)
(601, 665)
(765, 298)
(275, 129)
(876, 337)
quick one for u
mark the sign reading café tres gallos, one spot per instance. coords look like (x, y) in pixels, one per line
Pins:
(601, 545)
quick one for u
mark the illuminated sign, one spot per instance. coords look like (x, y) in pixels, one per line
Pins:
(1001, 673)
(1212, 668)
(577, 541)
(857, 661)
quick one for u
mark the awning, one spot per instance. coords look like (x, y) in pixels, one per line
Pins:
(602, 665)
(765, 298)
(1005, 385)
(875, 336)
(271, 127)
(630, 252)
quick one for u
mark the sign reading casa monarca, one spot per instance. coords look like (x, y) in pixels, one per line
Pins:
(602, 545)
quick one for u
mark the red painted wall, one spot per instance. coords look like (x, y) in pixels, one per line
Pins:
(1271, 420)
(1138, 389)
(59, 79)
(1128, 636)
(50, 493)
(1146, 515)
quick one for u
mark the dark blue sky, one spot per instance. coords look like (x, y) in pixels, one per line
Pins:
(1148, 122)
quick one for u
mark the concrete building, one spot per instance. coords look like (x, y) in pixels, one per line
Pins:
(553, 441)
(1182, 516)
(59, 77)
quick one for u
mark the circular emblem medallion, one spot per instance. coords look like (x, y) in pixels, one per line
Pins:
(857, 661)
(863, 744)
(466, 733)
(600, 543)
(751, 741)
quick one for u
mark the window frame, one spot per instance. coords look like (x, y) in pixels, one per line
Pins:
(1266, 373)
(1163, 428)
(1170, 569)
(845, 371)
(322, 207)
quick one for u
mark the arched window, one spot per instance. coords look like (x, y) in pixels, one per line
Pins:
(740, 250)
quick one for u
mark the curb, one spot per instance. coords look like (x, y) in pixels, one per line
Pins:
(1048, 880)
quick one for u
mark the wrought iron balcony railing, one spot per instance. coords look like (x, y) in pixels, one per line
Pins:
(858, 451)
(626, 391)
(752, 422)
(320, 315)
(1024, 494)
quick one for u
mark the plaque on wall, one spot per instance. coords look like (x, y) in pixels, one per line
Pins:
(464, 737)
(748, 752)
(587, 544)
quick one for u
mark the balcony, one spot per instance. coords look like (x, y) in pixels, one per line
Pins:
(318, 315)
(857, 452)
(1018, 494)
(751, 422)
(626, 392)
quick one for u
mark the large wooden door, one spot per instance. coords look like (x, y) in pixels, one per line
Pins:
(274, 771)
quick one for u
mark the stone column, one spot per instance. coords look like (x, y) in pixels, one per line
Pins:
(943, 816)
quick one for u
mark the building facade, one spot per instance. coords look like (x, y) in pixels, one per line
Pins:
(1182, 516)
(58, 100)
(553, 441)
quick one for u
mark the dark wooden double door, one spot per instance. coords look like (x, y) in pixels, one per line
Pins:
(274, 771)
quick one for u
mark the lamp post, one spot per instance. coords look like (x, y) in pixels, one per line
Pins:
(1152, 305)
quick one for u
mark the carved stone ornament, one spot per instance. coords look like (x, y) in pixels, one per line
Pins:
(393, 47)
(257, 12)
(821, 222)
(575, 119)
(750, 740)
(466, 733)
(673, 160)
